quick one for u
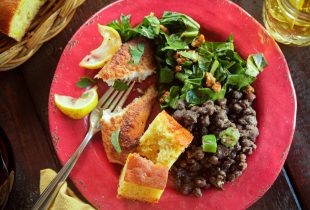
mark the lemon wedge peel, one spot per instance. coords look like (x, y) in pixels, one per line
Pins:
(110, 45)
(77, 108)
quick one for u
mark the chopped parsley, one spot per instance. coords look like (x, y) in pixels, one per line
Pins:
(115, 141)
(119, 85)
(136, 52)
(85, 82)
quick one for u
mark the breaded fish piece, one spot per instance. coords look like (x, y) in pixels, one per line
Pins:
(121, 66)
(131, 122)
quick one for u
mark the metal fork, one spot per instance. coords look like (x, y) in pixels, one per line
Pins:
(112, 99)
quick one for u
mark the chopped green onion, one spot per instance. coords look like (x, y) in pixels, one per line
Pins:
(115, 141)
(209, 143)
(229, 137)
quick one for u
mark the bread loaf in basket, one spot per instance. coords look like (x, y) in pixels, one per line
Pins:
(16, 16)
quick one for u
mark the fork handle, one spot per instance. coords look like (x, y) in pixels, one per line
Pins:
(50, 191)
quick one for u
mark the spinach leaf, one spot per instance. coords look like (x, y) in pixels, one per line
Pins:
(180, 23)
(239, 80)
(255, 64)
(174, 42)
(85, 82)
(119, 85)
(200, 95)
(192, 55)
(166, 75)
(115, 141)
(123, 27)
(150, 27)
(173, 97)
(136, 52)
(181, 76)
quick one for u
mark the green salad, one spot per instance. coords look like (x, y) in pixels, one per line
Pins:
(190, 67)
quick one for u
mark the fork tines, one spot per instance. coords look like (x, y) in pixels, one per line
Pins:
(112, 98)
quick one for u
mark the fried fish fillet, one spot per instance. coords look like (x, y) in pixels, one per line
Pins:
(121, 66)
(131, 122)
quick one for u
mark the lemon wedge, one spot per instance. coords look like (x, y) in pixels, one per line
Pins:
(110, 45)
(77, 108)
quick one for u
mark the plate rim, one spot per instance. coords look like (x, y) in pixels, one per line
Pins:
(258, 24)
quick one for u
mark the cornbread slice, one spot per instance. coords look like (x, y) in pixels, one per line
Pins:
(164, 140)
(142, 180)
(121, 66)
(16, 16)
(131, 122)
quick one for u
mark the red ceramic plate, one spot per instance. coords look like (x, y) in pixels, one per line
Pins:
(97, 179)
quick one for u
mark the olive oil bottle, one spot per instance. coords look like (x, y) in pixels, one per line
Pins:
(288, 21)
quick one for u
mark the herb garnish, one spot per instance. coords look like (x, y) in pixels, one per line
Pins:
(115, 141)
(136, 52)
(123, 28)
(119, 85)
(85, 82)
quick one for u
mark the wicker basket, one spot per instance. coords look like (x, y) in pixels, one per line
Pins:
(51, 20)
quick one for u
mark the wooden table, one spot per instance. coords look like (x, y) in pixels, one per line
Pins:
(24, 95)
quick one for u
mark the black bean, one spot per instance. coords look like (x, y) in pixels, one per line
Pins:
(195, 167)
(204, 120)
(190, 161)
(206, 163)
(203, 131)
(186, 179)
(247, 150)
(221, 102)
(182, 163)
(233, 154)
(208, 185)
(197, 192)
(251, 97)
(230, 177)
(199, 154)
(213, 160)
(190, 117)
(181, 104)
(242, 157)
(223, 173)
(233, 168)
(212, 180)
(186, 189)
(249, 111)
(209, 106)
(178, 184)
(236, 108)
(200, 182)
(180, 173)
(236, 94)
(243, 165)
(222, 151)
(178, 115)
(246, 143)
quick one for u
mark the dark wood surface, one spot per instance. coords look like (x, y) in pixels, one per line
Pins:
(23, 116)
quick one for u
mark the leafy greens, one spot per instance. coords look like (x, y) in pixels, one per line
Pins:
(173, 35)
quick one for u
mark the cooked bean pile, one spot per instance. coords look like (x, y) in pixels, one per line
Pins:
(196, 170)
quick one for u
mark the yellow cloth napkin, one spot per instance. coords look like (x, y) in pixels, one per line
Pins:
(65, 198)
